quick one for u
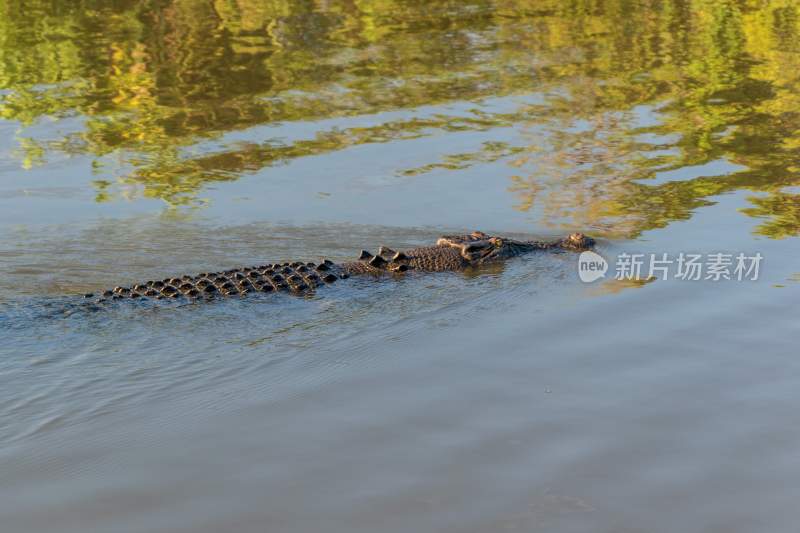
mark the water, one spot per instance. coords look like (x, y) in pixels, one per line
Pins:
(140, 140)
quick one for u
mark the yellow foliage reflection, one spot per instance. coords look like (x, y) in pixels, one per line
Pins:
(631, 91)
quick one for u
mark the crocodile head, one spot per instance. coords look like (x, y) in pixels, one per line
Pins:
(478, 247)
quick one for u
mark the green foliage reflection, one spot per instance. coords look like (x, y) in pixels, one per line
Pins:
(150, 80)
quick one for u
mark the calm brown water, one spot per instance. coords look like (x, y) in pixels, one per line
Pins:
(146, 139)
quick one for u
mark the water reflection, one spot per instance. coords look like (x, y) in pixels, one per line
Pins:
(632, 91)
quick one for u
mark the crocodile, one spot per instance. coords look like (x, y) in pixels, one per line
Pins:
(450, 253)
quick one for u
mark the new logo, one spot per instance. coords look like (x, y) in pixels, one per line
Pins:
(591, 266)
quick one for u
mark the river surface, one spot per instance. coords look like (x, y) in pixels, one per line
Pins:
(140, 140)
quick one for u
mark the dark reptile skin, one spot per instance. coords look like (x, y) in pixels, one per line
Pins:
(425, 259)
(301, 278)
